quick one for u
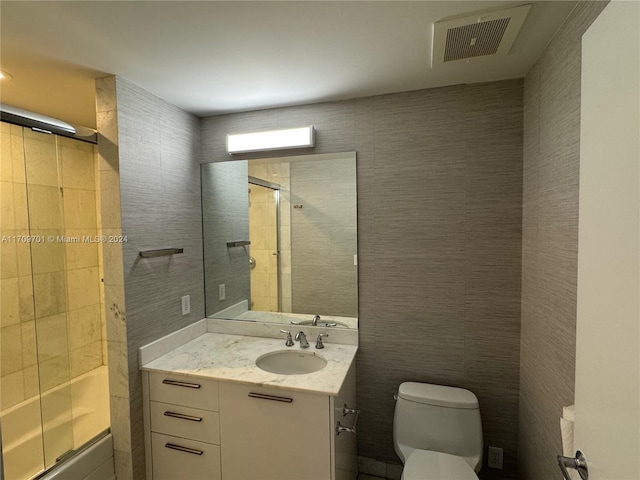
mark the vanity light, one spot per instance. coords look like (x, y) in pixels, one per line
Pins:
(272, 140)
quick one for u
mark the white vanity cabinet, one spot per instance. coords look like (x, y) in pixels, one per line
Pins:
(183, 432)
(276, 434)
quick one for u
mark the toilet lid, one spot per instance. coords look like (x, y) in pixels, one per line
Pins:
(428, 465)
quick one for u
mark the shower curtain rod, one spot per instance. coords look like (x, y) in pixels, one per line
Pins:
(44, 124)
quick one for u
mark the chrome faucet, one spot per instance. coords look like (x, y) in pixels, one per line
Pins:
(302, 338)
(315, 320)
(319, 343)
(289, 342)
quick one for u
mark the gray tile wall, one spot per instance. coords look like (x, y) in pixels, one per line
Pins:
(550, 244)
(439, 243)
(159, 149)
(324, 238)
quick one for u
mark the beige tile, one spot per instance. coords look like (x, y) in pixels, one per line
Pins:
(83, 286)
(41, 159)
(52, 336)
(29, 352)
(25, 285)
(9, 302)
(45, 207)
(84, 252)
(6, 161)
(112, 262)
(54, 372)
(5, 128)
(84, 326)
(86, 358)
(31, 381)
(11, 353)
(259, 238)
(118, 369)
(79, 209)
(20, 209)
(23, 259)
(11, 389)
(7, 207)
(49, 294)
(8, 256)
(110, 200)
(48, 256)
(64, 142)
(260, 303)
(78, 168)
(17, 156)
(43, 137)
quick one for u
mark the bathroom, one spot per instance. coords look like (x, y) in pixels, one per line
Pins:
(466, 260)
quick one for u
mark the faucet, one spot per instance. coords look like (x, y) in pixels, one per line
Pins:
(302, 338)
(319, 343)
(315, 320)
(289, 342)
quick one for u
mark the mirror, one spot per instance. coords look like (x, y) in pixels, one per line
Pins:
(280, 240)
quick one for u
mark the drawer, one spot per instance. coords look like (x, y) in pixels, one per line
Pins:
(182, 390)
(177, 458)
(185, 422)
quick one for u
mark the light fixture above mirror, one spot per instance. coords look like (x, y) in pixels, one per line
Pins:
(302, 137)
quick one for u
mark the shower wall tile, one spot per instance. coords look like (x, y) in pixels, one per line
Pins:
(550, 243)
(439, 247)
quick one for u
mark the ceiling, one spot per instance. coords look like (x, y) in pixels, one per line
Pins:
(212, 57)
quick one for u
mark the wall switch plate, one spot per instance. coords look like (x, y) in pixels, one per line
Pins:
(186, 304)
(495, 458)
(221, 293)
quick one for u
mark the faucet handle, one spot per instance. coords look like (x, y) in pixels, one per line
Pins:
(289, 342)
(319, 343)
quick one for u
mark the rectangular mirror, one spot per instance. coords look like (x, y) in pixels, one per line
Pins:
(280, 240)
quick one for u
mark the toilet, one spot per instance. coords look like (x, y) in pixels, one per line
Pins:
(437, 432)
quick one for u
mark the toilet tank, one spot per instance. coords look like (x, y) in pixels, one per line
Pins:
(438, 418)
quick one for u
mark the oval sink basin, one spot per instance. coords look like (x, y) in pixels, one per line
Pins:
(289, 362)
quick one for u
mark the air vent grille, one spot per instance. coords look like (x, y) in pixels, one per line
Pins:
(475, 40)
(480, 36)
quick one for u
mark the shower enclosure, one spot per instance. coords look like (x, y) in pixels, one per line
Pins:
(264, 234)
(54, 384)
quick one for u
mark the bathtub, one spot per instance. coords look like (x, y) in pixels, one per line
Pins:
(87, 396)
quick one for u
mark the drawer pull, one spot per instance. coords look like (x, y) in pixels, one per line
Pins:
(182, 416)
(180, 384)
(180, 448)
(264, 396)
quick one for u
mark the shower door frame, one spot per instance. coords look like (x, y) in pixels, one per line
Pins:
(276, 188)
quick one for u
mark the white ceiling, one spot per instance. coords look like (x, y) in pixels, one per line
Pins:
(213, 57)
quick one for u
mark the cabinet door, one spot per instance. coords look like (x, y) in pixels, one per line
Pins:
(271, 434)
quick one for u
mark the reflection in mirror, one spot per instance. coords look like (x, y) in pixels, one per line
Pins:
(280, 240)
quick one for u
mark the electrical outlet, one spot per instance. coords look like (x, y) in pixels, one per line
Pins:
(186, 304)
(221, 293)
(495, 458)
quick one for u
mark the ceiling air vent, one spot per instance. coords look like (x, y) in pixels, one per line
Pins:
(479, 34)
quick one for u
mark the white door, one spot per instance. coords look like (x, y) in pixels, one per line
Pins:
(607, 428)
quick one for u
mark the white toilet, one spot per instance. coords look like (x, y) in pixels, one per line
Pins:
(437, 432)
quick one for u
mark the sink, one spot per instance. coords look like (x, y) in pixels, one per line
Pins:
(291, 362)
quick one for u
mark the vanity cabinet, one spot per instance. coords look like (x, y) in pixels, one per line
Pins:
(183, 425)
(206, 429)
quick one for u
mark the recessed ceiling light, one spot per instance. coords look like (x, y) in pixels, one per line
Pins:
(4, 75)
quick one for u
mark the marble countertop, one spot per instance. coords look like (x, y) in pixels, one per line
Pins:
(231, 358)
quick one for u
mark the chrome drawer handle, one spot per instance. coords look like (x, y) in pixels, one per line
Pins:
(182, 416)
(264, 396)
(180, 448)
(180, 384)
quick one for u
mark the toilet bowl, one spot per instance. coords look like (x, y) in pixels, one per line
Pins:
(437, 432)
